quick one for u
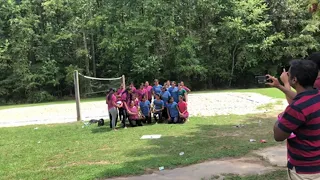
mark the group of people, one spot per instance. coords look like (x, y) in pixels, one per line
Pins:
(299, 124)
(139, 106)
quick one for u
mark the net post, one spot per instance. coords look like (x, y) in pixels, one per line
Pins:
(123, 81)
(77, 94)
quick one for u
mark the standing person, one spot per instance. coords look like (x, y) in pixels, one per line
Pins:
(183, 110)
(126, 99)
(290, 95)
(174, 91)
(173, 111)
(111, 100)
(302, 117)
(135, 99)
(156, 89)
(182, 92)
(134, 114)
(185, 87)
(145, 109)
(141, 92)
(133, 88)
(120, 90)
(165, 96)
(168, 83)
(148, 91)
(158, 108)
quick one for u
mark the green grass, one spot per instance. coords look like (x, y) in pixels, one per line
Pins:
(271, 92)
(68, 151)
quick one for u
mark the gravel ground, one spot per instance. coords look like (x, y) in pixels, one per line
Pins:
(205, 104)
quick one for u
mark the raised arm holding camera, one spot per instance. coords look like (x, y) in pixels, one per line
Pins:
(301, 117)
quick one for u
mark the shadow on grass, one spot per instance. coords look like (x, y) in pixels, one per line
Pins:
(200, 140)
(103, 129)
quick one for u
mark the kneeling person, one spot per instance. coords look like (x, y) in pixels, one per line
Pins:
(133, 112)
(173, 111)
(183, 109)
(145, 109)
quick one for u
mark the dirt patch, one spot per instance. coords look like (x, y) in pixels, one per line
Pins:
(205, 104)
(104, 148)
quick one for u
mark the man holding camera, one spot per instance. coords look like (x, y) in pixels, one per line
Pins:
(301, 117)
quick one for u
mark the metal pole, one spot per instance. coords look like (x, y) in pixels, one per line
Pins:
(124, 81)
(77, 94)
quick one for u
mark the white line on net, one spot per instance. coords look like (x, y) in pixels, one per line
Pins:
(101, 79)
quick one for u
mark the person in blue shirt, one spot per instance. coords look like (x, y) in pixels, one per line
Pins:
(173, 111)
(165, 96)
(145, 109)
(167, 84)
(158, 106)
(156, 89)
(174, 91)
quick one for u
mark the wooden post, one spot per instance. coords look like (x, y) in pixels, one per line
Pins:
(124, 81)
(77, 94)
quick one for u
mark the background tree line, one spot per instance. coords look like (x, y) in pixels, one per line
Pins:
(206, 43)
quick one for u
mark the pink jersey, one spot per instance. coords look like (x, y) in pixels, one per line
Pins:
(186, 88)
(133, 89)
(136, 102)
(111, 101)
(120, 91)
(140, 93)
(134, 109)
(148, 91)
(125, 100)
(183, 107)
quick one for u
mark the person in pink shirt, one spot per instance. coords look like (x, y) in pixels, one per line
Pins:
(126, 99)
(136, 100)
(141, 92)
(183, 110)
(148, 91)
(133, 88)
(111, 100)
(133, 112)
(120, 90)
(184, 87)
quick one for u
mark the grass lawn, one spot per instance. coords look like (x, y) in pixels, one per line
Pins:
(271, 92)
(68, 151)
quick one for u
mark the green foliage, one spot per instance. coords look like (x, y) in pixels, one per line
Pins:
(208, 44)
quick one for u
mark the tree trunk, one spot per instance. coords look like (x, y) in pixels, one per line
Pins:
(87, 63)
(233, 64)
(93, 57)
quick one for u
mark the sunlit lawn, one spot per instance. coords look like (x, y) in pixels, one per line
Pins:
(271, 92)
(68, 151)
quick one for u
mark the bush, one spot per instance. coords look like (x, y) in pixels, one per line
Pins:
(40, 96)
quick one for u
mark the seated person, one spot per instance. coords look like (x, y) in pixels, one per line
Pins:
(173, 111)
(183, 110)
(133, 112)
(158, 108)
(145, 109)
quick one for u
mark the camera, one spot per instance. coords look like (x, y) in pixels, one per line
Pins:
(263, 79)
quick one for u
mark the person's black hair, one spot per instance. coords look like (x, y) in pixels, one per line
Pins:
(110, 93)
(315, 57)
(306, 72)
(129, 95)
